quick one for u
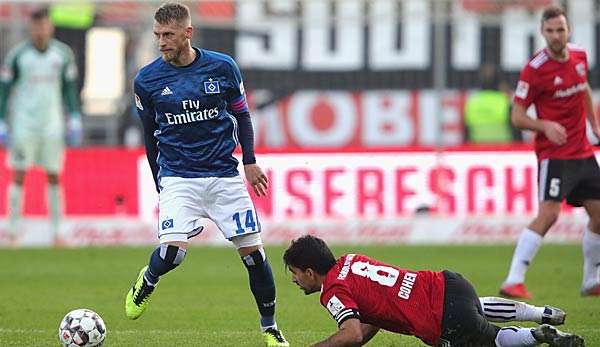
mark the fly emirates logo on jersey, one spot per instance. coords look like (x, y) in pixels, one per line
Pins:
(192, 113)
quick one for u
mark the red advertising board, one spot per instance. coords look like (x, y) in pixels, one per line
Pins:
(469, 195)
(96, 181)
(390, 183)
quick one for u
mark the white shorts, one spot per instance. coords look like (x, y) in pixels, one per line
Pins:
(224, 200)
(27, 150)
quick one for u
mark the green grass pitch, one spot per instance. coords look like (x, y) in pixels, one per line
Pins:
(207, 302)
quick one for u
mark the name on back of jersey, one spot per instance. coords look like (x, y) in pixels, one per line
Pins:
(192, 113)
(344, 271)
(407, 284)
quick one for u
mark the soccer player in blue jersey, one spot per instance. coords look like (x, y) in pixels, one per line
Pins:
(193, 109)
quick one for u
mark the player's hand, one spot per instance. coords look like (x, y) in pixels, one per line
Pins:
(555, 132)
(3, 133)
(75, 130)
(257, 179)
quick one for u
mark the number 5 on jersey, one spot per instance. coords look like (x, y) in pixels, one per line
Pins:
(250, 222)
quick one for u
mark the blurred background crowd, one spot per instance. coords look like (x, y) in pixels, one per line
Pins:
(434, 72)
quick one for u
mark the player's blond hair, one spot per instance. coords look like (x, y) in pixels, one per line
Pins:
(172, 12)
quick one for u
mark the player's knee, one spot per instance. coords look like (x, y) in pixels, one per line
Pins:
(246, 244)
(256, 258)
(19, 177)
(172, 254)
(485, 333)
(53, 179)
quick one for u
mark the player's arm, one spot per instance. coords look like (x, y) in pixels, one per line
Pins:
(591, 114)
(236, 100)
(246, 136)
(69, 85)
(8, 74)
(555, 132)
(6, 79)
(368, 331)
(70, 98)
(4, 93)
(338, 300)
(525, 94)
(146, 112)
(522, 121)
(350, 333)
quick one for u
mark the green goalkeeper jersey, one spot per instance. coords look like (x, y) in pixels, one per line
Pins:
(37, 84)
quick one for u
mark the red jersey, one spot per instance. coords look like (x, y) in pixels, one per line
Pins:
(558, 90)
(399, 300)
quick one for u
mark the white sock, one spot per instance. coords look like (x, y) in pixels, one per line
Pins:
(54, 207)
(527, 247)
(506, 310)
(15, 204)
(515, 337)
(591, 258)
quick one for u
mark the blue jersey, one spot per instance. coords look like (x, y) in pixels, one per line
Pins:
(190, 111)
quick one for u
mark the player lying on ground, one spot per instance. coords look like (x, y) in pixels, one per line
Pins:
(441, 308)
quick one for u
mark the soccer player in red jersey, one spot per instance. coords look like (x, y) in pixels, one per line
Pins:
(441, 308)
(555, 81)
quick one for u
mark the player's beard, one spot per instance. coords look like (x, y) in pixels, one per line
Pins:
(170, 56)
(308, 291)
(557, 48)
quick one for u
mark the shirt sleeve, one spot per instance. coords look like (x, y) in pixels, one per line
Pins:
(8, 75)
(145, 110)
(527, 89)
(237, 105)
(340, 304)
(587, 66)
(236, 95)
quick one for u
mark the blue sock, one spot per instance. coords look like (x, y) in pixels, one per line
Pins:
(164, 259)
(262, 285)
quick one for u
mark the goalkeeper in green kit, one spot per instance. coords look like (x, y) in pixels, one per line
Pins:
(37, 77)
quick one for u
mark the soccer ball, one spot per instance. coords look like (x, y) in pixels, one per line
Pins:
(82, 327)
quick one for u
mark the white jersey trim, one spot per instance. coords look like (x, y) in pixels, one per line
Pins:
(235, 130)
(543, 178)
(575, 47)
(539, 60)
